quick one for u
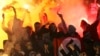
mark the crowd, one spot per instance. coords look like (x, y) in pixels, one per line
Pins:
(46, 40)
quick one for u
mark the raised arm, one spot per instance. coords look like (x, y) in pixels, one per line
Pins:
(8, 7)
(98, 14)
(95, 24)
(5, 27)
(63, 22)
(14, 10)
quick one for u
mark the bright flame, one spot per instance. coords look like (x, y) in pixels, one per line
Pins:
(28, 11)
(26, 6)
(3, 35)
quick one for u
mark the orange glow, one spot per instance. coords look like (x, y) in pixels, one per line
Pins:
(3, 35)
(73, 12)
(28, 11)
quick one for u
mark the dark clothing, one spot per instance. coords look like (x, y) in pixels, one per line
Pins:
(92, 30)
(90, 35)
(36, 42)
(39, 38)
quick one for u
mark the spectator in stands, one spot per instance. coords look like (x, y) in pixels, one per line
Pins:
(90, 35)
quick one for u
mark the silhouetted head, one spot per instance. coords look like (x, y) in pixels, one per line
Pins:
(84, 24)
(71, 29)
(28, 29)
(37, 26)
(52, 27)
(61, 28)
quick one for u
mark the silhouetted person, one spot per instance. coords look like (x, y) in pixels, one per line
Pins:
(90, 35)
(37, 38)
(71, 32)
(91, 29)
(34, 37)
(62, 26)
(53, 37)
(53, 30)
(17, 28)
(14, 26)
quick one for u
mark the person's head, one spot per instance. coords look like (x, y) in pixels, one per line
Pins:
(28, 30)
(84, 24)
(61, 28)
(52, 27)
(37, 26)
(71, 29)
